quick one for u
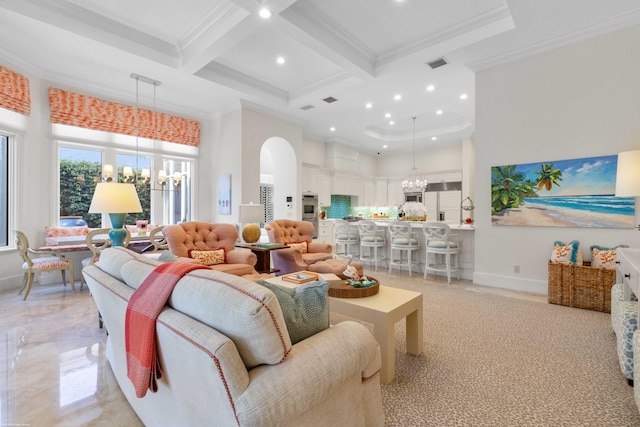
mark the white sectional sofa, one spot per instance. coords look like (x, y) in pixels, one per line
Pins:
(227, 358)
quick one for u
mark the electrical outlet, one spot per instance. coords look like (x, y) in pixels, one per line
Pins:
(516, 269)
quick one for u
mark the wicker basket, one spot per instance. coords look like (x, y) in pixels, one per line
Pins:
(581, 286)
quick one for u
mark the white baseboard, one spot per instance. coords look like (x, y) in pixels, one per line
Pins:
(511, 282)
(11, 282)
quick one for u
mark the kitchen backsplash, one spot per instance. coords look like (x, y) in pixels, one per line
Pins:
(341, 207)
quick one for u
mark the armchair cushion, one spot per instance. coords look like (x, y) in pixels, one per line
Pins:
(301, 246)
(208, 256)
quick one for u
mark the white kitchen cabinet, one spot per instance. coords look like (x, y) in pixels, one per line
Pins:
(310, 180)
(381, 193)
(325, 232)
(452, 177)
(395, 195)
(324, 196)
(367, 197)
(347, 185)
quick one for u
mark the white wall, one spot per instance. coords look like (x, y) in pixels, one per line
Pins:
(577, 101)
(257, 128)
(314, 152)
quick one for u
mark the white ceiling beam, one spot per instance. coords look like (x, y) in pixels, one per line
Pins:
(311, 27)
(73, 18)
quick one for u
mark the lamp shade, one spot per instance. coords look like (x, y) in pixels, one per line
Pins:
(115, 198)
(628, 174)
(250, 213)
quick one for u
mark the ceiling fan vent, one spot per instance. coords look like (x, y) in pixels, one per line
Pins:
(330, 99)
(307, 107)
(437, 63)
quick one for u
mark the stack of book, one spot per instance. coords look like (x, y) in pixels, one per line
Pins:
(300, 277)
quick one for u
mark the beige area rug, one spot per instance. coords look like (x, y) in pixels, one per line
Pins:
(495, 359)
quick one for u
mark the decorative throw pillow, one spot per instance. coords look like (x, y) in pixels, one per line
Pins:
(566, 253)
(301, 246)
(167, 256)
(604, 257)
(208, 256)
(305, 308)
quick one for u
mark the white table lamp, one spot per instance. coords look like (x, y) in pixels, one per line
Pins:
(117, 200)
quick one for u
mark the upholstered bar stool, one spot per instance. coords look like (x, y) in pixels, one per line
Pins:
(346, 236)
(402, 241)
(372, 239)
(439, 243)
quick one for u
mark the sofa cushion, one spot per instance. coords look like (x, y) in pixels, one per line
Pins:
(244, 311)
(305, 308)
(65, 232)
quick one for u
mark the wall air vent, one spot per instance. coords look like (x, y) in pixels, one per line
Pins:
(329, 100)
(307, 107)
(437, 63)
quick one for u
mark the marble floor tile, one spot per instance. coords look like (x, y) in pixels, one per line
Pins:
(53, 368)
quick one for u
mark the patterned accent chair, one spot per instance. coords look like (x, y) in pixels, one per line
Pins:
(38, 262)
(203, 235)
(299, 233)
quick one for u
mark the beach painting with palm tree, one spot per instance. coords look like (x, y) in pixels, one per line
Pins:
(561, 193)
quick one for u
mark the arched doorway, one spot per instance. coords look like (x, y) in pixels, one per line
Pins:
(278, 179)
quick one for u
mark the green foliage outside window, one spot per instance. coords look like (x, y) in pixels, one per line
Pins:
(77, 184)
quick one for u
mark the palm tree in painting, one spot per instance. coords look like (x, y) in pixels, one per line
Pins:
(507, 187)
(548, 176)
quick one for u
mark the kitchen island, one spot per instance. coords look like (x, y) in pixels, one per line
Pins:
(464, 235)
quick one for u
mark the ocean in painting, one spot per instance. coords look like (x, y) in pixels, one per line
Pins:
(577, 211)
(598, 204)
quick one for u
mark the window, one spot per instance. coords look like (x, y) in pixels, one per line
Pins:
(4, 190)
(81, 168)
(144, 193)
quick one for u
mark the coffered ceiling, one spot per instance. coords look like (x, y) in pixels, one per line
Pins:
(213, 55)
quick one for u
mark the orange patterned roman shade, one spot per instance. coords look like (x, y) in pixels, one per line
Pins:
(83, 111)
(14, 92)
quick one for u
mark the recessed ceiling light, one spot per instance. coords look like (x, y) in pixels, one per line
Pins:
(385, 146)
(439, 112)
(369, 105)
(265, 13)
(386, 116)
(431, 88)
(464, 96)
(433, 138)
(398, 97)
(392, 123)
(332, 129)
(280, 60)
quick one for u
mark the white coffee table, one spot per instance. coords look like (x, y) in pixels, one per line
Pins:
(384, 309)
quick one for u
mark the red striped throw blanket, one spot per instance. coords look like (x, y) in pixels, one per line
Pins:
(143, 368)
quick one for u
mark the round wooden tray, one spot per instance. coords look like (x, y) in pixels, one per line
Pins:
(340, 289)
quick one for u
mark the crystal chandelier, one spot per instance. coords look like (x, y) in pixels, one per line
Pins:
(414, 183)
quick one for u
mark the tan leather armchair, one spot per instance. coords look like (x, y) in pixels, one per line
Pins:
(286, 232)
(202, 235)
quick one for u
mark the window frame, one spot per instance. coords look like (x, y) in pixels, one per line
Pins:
(13, 148)
(123, 145)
